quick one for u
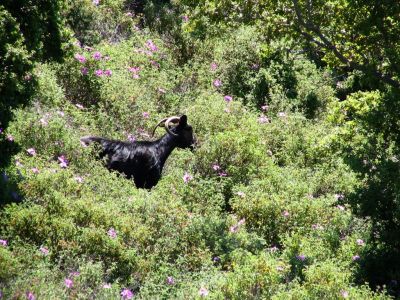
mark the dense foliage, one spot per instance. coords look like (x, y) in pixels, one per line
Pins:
(291, 193)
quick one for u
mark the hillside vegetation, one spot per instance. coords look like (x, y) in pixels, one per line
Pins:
(291, 193)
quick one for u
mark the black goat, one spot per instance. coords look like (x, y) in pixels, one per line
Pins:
(144, 160)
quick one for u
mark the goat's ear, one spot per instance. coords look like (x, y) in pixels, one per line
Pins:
(183, 120)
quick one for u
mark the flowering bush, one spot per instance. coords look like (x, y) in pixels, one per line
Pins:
(264, 207)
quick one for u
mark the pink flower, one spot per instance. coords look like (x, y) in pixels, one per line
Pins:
(216, 167)
(161, 90)
(274, 249)
(31, 151)
(108, 72)
(360, 242)
(264, 107)
(241, 194)
(3, 243)
(213, 66)
(228, 98)
(345, 294)
(146, 115)
(227, 110)
(30, 296)
(68, 283)
(339, 196)
(187, 177)
(263, 119)
(131, 138)
(280, 268)
(79, 179)
(151, 46)
(80, 106)
(112, 233)
(356, 257)
(44, 250)
(18, 163)
(78, 44)
(185, 18)
(341, 207)
(80, 58)
(96, 2)
(234, 228)
(75, 273)
(63, 161)
(10, 138)
(135, 71)
(155, 64)
(316, 226)
(43, 122)
(301, 257)
(170, 280)
(107, 286)
(203, 292)
(61, 113)
(286, 214)
(281, 114)
(84, 71)
(222, 174)
(98, 73)
(97, 55)
(126, 294)
(217, 83)
(35, 170)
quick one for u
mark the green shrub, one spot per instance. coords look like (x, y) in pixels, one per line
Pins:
(105, 21)
(8, 264)
(16, 81)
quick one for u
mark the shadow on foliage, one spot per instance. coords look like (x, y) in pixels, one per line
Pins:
(29, 31)
(378, 199)
(9, 192)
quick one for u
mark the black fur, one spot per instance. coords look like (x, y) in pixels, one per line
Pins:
(144, 160)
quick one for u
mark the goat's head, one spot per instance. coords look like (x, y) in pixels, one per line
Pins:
(182, 131)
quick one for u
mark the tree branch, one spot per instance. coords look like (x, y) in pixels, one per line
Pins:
(327, 44)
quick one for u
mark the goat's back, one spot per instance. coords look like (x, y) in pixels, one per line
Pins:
(135, 159)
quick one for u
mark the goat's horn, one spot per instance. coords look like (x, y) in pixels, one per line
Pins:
(169, 120)
(155, 128)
